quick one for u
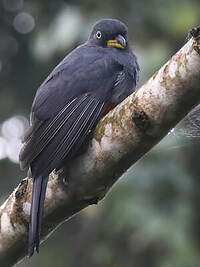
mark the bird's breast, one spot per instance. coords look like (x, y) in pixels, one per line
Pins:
(108, 107)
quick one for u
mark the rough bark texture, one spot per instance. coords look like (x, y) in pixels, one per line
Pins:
(120, 139)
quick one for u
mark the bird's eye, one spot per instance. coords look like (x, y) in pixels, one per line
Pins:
(98, 35)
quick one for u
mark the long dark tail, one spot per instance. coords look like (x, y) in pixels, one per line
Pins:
(37, 205)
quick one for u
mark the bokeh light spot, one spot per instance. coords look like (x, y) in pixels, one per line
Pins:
(13, 128)
(2, 148)
(24, 23)
(13, 149)
(10, 139)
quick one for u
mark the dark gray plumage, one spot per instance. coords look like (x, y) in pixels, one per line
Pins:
(69, 103)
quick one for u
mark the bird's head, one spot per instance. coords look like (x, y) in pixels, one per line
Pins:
(109, 33)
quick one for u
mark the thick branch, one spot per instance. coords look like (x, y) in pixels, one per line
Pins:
(120, 139)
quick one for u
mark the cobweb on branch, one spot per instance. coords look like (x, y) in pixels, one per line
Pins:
(190, 125)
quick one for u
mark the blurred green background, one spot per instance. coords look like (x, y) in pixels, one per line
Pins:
(151, 217)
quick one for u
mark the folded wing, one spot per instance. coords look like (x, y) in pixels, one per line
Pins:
(59, 138)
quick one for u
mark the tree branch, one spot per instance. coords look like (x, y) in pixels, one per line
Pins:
(119, 140)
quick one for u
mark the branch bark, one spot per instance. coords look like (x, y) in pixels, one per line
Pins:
(119, 140)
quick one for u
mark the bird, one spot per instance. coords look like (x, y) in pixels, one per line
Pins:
(81, 89)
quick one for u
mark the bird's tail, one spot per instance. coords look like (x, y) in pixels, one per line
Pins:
(37, 205)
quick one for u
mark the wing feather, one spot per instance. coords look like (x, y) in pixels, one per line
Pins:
(58, 138)
(43, 133)
(78, 130)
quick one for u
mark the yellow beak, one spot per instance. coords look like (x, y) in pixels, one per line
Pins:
(114, 43)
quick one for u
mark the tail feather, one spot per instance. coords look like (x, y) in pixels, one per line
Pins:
(38, 197)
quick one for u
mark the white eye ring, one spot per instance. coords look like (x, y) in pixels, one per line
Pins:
(98, 35)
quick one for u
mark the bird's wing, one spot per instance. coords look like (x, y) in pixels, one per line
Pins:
(67, 106)
(61, 136)
(81, 72)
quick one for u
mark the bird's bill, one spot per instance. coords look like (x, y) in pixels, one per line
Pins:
(119, 42)
(114, 43)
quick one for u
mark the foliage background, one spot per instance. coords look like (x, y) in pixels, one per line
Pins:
(151, 217)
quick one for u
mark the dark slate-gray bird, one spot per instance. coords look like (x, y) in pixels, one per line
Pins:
(87, 83)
